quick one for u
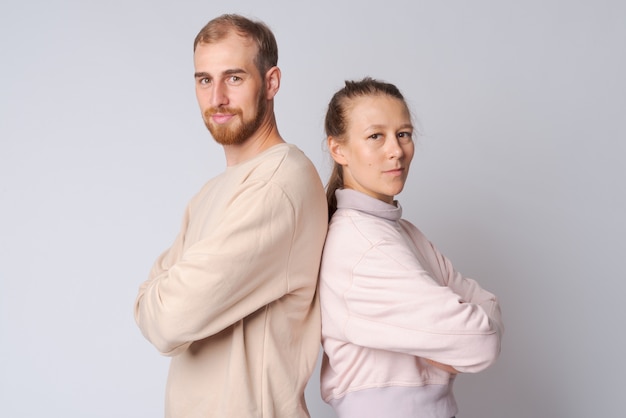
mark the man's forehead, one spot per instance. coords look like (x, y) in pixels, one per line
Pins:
(233, 40)
(234, 51)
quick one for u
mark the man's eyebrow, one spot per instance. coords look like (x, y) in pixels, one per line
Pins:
(232, 71)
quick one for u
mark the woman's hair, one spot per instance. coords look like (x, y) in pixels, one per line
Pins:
(336, 123)
(220, 27)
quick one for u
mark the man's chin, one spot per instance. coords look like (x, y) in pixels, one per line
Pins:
(227, 137)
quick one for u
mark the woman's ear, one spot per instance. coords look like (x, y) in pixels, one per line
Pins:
(272, 82)
(336, 151)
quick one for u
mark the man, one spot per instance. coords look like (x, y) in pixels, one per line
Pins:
(234, 301)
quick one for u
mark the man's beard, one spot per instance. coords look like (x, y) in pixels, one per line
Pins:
(238, 134)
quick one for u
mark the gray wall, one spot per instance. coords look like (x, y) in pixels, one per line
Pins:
(518, 178)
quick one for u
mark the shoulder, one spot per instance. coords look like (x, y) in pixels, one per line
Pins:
(417, 236)
(286, 163)
(410, 228)
(356, 240)
(276, 163)
(287, 171)
(353, 226)
(285, 166)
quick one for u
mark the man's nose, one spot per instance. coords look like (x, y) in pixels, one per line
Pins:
(219, 96)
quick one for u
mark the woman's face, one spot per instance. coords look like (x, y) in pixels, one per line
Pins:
(378, 148)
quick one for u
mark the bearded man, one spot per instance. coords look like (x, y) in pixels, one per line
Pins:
(233, 301)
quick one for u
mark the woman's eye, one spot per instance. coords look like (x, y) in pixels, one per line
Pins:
(374, 136)
(405, 136)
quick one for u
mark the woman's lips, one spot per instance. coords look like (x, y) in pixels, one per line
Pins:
(395, 171)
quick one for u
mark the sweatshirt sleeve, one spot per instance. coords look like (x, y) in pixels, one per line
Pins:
(469, 290)
(236, 269)
(395, 303)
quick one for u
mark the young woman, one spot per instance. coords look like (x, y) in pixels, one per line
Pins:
(398, 322)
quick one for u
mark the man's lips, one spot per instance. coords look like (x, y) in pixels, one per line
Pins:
(221, 118)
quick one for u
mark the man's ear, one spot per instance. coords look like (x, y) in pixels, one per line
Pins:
(272, 82)
(336, 151)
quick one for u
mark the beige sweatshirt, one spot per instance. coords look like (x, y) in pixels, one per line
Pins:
(234, 301)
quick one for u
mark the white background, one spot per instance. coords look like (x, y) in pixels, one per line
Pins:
(518, 178)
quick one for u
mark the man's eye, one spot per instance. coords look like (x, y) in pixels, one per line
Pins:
(235, 79)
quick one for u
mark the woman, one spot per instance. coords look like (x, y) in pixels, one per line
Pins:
(398, 322)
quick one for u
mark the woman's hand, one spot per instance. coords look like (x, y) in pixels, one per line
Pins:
(443, 367)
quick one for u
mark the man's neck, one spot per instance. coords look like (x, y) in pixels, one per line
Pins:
(264, 138)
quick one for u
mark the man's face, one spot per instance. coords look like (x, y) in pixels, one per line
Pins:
(230, 91)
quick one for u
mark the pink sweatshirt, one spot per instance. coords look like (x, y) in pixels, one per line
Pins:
(389, 301)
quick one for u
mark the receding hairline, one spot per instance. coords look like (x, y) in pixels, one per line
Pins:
(255, 31)
(223, 35)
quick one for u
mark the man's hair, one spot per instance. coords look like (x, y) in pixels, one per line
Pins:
(336, 122)
(257, 31)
